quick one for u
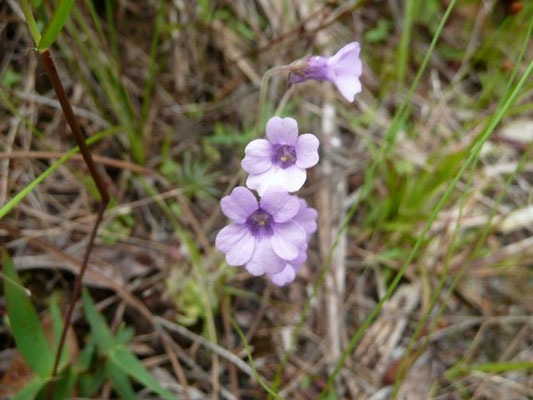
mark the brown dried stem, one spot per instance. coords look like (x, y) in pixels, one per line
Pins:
(86, 153)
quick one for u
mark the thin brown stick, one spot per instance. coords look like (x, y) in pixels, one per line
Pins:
(100, 184)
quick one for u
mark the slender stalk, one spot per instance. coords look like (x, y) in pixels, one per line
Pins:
(86, 153)
(263, 91)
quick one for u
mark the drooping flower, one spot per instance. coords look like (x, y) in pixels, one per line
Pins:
(306, 217)
(343, 70)
(263, 236)
(282, 160)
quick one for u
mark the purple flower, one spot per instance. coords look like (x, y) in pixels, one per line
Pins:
(306, 218)
(343, 69)
(263, 236)
(282, 159)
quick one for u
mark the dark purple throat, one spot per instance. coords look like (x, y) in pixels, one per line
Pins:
(260, 223)
(284, 155)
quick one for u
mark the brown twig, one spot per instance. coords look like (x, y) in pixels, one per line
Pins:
(51, 70)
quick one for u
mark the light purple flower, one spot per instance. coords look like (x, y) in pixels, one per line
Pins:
(281, 160)
(263, 236)
(306, 217)
(343, 70)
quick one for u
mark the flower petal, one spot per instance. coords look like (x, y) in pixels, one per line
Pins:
(347, 57)
(290, 179)
(264, 259)
(302, 257)
(306, 150)
(287, 239)
(346, 67)
(280, 204)
(237, 243)
(349, 86)
(306, 217)
(287, 275)
(282, 130)
(258, 155)
(238, 205)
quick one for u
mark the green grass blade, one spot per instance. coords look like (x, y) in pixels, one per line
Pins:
(147, 93)
(403, 49)
(500, 112)
(25, 323)
(30, 20)
(33, 184)
(489, 368)
(56, 24)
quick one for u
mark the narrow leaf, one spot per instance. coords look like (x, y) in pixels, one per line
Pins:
(31, 390)
(25, 324)
(100, 330)
(57, 325)
(120, 381)
(65, 385)
(56, 24)
(124, 358)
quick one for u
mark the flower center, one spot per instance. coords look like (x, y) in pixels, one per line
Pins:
(284, 155)
(260, 223)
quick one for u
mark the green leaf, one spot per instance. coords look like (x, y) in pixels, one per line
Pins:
(65, 385)
(90, 383)
(57, 324)
(119, 355)
(86, 355)
(32, 389)
(120, 381)
(124, 335)
(100, 330)
(55, 25)
(25, 324)
(122, 357)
